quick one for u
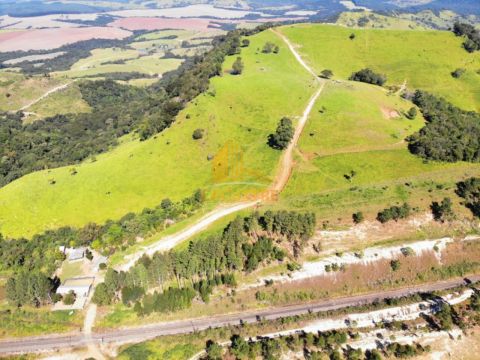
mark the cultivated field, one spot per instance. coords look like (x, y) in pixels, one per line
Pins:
(417, 57)
(44, 39)
(141, 23)
(136, 174)
(119, 60)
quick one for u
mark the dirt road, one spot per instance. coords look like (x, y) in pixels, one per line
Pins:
(49, 92)
(281, 179)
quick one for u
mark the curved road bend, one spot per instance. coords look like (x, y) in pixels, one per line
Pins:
(137, 334)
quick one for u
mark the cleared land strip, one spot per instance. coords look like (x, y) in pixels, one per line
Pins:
(142, 333)
(49, 92)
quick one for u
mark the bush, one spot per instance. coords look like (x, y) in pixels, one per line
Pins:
(69, 299)
(326, 74)
(470, 191)
(412, 113)
(368, 76)
(442, 211)
(394, 213)
(457, 73)
(197, 134)
(357, 217)
(268, 48)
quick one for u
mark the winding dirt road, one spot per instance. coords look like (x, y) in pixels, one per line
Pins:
(49, 92)
(169, 242)
(281, 179)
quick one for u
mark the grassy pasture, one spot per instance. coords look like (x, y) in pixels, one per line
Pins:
(64, 101)
(425, 59)
(96, 63)
(351, 19)
(16, 90)
(136, 174)
(350, 130)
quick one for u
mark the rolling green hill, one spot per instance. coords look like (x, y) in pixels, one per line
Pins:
(136, 174)
(425, 59)
(358, 129)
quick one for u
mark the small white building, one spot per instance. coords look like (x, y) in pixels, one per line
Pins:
(73, 254)
(80, 286)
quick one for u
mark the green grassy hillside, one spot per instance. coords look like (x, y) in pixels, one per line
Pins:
(136, 174)
(353, 129)
(425, 59)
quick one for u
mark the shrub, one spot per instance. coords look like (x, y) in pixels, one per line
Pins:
(238, 66)
(412, 113)
(470, 191)
(357, 217)
(268, 48)
(442, 211)
(368, 76)
(326, 74)
(69, 299)
(197, 134)
(457, 73)
(394, 213)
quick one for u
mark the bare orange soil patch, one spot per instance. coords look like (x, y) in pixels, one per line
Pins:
(390, 113)
(154, 23)
(41, 39)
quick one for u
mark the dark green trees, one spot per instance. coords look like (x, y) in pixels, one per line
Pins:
(29, 288)
(237, 67)
(472, 42)
(470, 191)
(357, 217)
(283, 134)
(394, 213)
(326, 74)
(412, 113)
(442, 211)
(368, 76)
(450, 134)
(244, 245)
(197, 134)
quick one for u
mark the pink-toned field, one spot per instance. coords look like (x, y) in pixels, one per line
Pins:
(45, 39)
(154, 23)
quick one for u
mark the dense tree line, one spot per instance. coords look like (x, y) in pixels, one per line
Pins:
(41, 253)
(192, 78)
(117, 110)
(322, 345)
(472, 34)
(69, 139)
(72, 53)
(451, 134)
(369, 76)
(394, 213)
(242, 246)
(30, 288)
(470, 191)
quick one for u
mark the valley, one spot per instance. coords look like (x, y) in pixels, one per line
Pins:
(240, 180)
